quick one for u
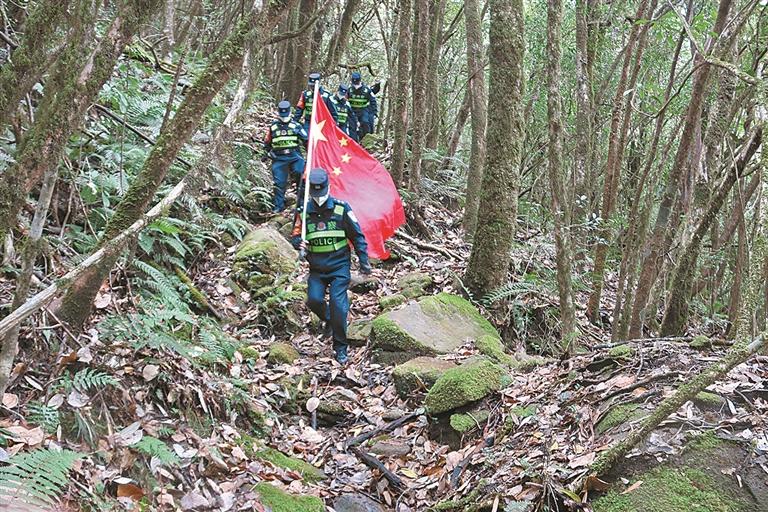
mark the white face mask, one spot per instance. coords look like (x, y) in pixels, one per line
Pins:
(320, 200)
(285, 119)
(357, 86)
(341, 95)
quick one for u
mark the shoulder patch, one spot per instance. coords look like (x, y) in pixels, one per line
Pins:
(352, 216)
(338, 209)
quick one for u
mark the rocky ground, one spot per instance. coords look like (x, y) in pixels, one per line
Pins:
(434, 411)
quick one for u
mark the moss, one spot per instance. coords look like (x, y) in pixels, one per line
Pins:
(671, 490)
(617, 415)
(709, 399)
(621, 352)
(417, 373)
(282, 353)
(700, 342)
(249, 353)
(391, 301)
(280, 501)
(419, 279)
(464, 422)
(523, 412)
(307, 471)
(492, 347)
(358, 332)
(705, 442)
(441, 301)
(464, 384)
(526, 363)
(389, 335)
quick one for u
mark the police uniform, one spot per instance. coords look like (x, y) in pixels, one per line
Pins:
(331, 226)
(303, 111)
(363, 102)
(346, 117)
(282, 143)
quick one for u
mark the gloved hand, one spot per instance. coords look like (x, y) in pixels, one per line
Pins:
(365, 268)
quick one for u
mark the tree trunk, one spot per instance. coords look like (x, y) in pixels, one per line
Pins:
(433, 113)
(420, 44)
(400, 104)
(583, 139)
(560, 213)
(619, 123)
(489, 261)
(676, 314)
(652, 259)
(253, 30)
(341, 36)
(168, 28)
(479, 105)
(76, 84)
(33, 56)
(734, 300)
(461, 121)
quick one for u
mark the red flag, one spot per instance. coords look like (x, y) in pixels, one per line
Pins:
(357, 178)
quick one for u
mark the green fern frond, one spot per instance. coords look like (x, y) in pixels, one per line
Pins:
(507, 291)
(36, 478)
(154, 447)
(89, 378)
(46, 417)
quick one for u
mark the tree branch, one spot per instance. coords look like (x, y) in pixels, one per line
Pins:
(295, 33)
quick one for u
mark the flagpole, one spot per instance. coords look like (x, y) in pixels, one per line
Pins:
(308, 166)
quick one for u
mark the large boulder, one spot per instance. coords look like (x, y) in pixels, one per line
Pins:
(418, 374)
(264, 258)
(471, 381)
(438, 324)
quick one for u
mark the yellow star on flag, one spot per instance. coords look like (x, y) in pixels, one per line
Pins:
(345, 158)
(336, 171)
(343, 141)
(318, 134)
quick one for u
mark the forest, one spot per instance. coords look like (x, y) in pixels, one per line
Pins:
(531, 276)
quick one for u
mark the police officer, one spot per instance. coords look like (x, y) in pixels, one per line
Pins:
(281, 144)
(331, 225)
(347, 120)
(363, 102)
(303, 112)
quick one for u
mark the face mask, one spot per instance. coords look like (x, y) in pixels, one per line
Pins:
(285, 119)
(320, 200)
(341, 95)
(357, 86)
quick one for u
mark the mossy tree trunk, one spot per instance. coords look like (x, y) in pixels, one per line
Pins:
(490, 257)
(43, 31)
(419, 65)
(400, 104)
(253, 29)
(656, 244)
(433, 113)
(479, 112)
(676, 313)
(582, 148)
(78, 76)
(340, 36)
(458, 128)
(560, 212)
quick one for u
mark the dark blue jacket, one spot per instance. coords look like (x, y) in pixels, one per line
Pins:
(333, 214)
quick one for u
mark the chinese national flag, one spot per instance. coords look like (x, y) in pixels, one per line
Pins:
(357, 178)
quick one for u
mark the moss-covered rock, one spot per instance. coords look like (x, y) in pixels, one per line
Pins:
(249, 353)
(391, 301)
(263, 257)
(358, 332)
(621, 352)
(492, 347)
(524, 412)
(434, 325)
(282, 353)
(617, 415)
(465, 384)
(709, 400)
(464, 422)
(419, 373)
(278, 500)
(414, 284)
(700, 342)
(307, 471)
(671, 490)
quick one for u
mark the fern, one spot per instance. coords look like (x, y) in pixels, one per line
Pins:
(88, 378)
(154, 447)
(36, 478)
(160, 282)
(46, 417)
(507, 291)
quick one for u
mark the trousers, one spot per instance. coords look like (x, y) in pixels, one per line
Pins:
(285, 169)
(335, 311)
(365, 117)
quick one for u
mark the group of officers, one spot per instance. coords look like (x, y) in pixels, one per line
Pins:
(353, 108)
(331, 225)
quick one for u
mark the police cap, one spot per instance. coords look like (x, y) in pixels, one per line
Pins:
(318, 182)
(284, 108)
(356, 77)
(343, 88)
(314, 77)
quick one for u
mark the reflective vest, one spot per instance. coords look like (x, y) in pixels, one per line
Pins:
(359, 98)
(308, 102)
(342, 112)
(325, 236)
(284, 135)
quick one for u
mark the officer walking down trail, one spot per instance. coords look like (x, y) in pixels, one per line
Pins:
(347, 120)
(303, 113)
(331, 224)
(282, 145)
(363, 102)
